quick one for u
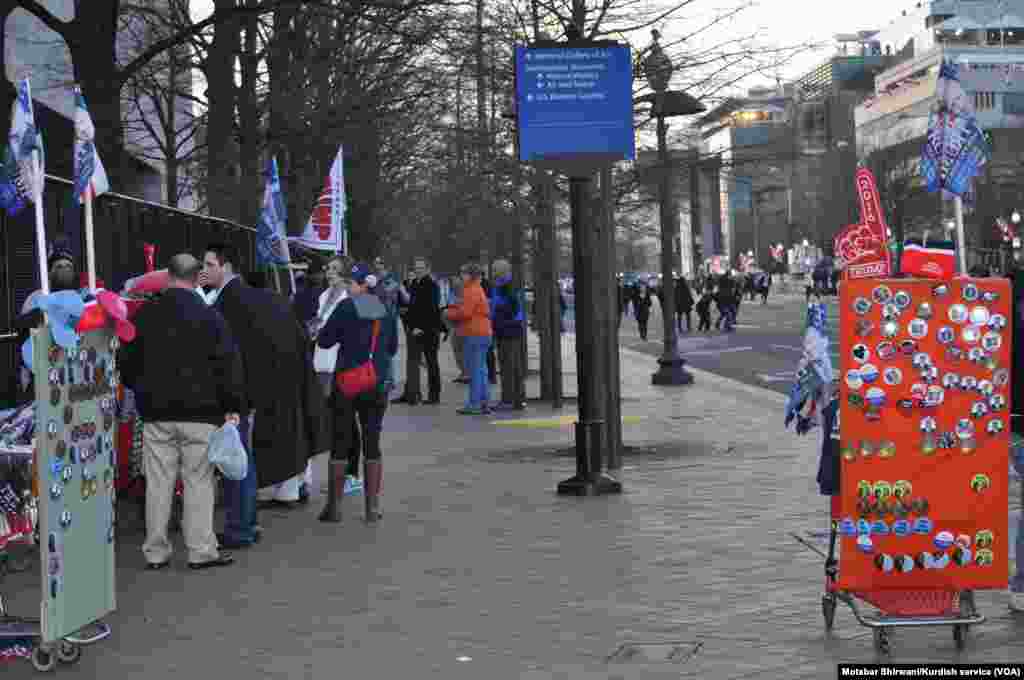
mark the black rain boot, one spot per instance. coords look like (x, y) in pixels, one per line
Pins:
(335, 487)
(372, 474)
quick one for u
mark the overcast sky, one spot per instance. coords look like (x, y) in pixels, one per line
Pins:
(782, 22)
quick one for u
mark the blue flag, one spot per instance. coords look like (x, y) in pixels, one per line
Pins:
(271, 241)
(22, 170)
(956, 149)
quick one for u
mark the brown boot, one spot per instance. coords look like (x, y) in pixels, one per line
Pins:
(371, 489)
(335, 486)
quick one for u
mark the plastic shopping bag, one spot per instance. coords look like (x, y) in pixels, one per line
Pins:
(226, 453)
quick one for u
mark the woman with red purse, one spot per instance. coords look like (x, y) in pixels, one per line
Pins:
(367, 339)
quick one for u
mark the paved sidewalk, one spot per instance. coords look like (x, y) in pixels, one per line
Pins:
(479, 570)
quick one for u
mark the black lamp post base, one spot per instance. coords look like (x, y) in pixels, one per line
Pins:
(672, 371)
(582, 485)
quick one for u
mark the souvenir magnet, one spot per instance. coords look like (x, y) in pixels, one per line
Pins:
(930, 374)
(885, 563)
(997, 322)
(902, 299)
(919, 391)
(958, 313)
(961, 556)
(922, 526)
(968, 383)
(1001, 377)
(994, 426)
(976, 355)
(925, 310)
(925, 560)
(917, 328)
(970, 334)
(936, 395)
(890, 312)
(879, 528)
(984, 539)
(997, 402)
(861, 353)
(908, 347)
(986, 388)
(904, 564)
(990, 296)
(890, 329)
(953, 353)
(869, 373)
(901, 528)
(928, 445)
(61, 449)
(980, 483)
(863, 527)
(980, 316)
(885, 351)
(970, 292)
(963, 541)
(67, 474)
(893, 376)
(941, 290)
(853, 380)
(928, 424)
(875, 396)
(991, 341)
(69, 414)
(950, 380)
(990, 363)
(921, 361)
(964, 429)
(65, 519)
(865, 544)
(863, 327)
(968, 446)
(945, 335)
(881, 294)
(979, 409)
(984, 558)
(56, 490)
(940, 560)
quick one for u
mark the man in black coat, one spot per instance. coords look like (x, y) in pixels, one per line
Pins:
(285, 404)
(424, 327)
(187, 378)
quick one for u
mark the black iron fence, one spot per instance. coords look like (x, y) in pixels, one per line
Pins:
(121, 226)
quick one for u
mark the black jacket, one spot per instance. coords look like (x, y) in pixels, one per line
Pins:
(183, 364)
(425, 307)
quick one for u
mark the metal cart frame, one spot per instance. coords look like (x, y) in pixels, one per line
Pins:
(44, 656)
(904, 608)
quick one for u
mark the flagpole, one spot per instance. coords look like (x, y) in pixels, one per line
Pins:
(37, 200)
(90, 245)
(958, 214)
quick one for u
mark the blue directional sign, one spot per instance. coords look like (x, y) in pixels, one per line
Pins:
(575, 103)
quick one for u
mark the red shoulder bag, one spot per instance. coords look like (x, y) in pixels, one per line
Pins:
(362, 378)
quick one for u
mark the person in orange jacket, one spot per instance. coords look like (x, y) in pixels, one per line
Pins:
(474, 317)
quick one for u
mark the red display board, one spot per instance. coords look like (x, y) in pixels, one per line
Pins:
(925, 433)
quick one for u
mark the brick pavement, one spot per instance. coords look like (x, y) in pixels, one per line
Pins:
(479, 570)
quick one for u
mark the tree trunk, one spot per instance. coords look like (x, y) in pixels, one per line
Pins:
(250, 194)
(222, 152)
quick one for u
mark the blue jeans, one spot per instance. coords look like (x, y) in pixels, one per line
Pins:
(240, 497)
(475, 353)
(1017, 580)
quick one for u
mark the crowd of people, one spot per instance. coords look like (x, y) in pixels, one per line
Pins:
(726, 292)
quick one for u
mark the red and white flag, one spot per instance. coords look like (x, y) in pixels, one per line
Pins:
(325, 229)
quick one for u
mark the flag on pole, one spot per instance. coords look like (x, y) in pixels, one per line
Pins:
(325, 229)
(90, 175)
(956, 148)
(22, 172)
(271, 244)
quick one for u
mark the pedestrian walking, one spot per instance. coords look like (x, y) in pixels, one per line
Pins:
(684, 304)
(474, 315)
(704, 309)
(508, 317)
(365, 332)
(188, 379)
(642, 306)
(284, 423)
(423, 321)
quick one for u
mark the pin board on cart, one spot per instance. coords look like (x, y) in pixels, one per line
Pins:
(75, 397)
(925, 433)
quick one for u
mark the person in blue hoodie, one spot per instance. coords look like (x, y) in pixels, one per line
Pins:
(507, 318)
(363, 330)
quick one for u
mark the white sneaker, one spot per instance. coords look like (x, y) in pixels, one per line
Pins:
(1016, 602)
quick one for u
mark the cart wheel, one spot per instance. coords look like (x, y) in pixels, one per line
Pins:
(882, 641)
(828, 609)
(43, 661)
(960, 636)
(68, 652)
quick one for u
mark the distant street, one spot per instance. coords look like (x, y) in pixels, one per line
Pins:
(763, 350)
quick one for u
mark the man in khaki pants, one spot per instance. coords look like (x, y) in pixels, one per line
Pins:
(187, 376)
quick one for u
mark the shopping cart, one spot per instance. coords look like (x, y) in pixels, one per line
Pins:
(896, 608)
(44, 657)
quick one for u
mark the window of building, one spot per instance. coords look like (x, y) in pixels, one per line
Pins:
(984, 101)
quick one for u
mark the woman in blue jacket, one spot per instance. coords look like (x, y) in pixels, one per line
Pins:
(353, 327)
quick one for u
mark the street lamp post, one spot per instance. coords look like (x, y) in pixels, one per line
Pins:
(665, 103)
